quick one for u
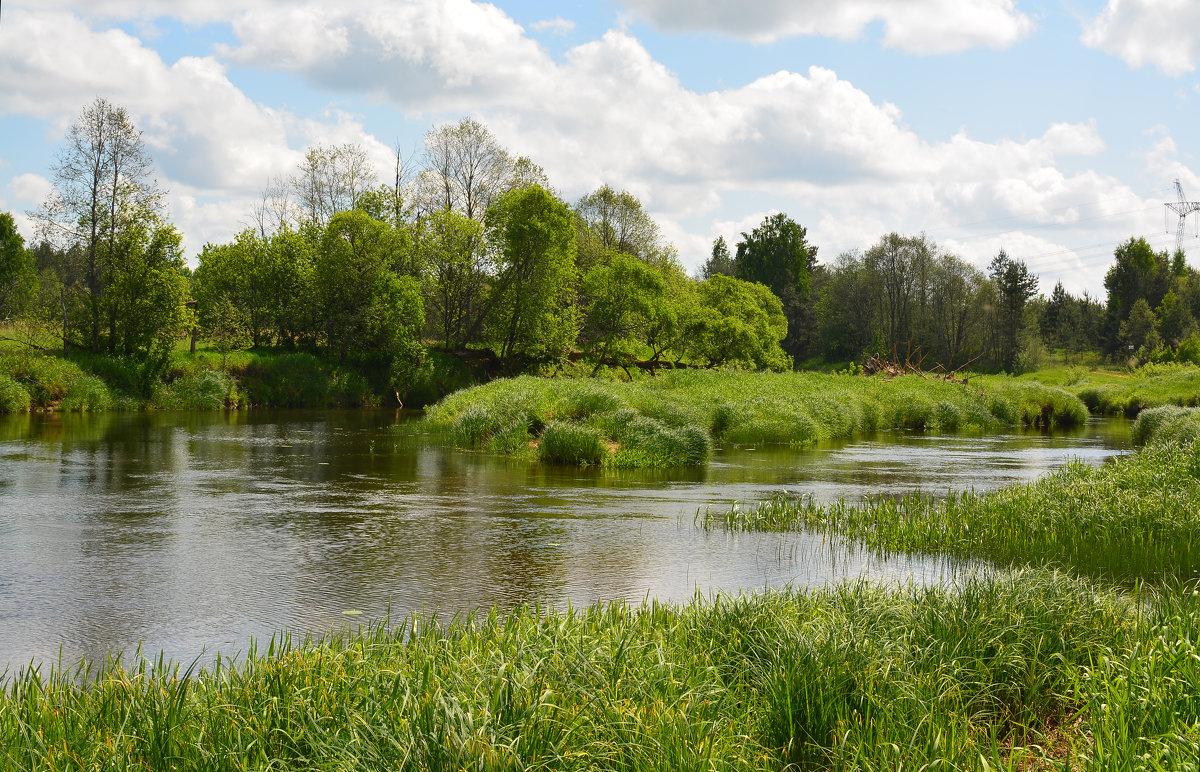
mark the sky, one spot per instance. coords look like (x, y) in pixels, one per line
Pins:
(1054, 129)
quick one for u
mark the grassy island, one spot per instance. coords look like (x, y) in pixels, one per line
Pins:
(672, 419)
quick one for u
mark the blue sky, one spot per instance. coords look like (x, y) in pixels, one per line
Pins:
(1051, 128)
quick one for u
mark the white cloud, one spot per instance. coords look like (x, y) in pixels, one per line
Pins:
(558, 25)
(209, 140)
(916, 26)
(30, 190)
(1161, 33)
(811, 143)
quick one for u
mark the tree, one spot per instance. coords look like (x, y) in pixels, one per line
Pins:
(226, 325)
(17, 276)
(1140, 328)
(1138, 272)
(365, 307)
(777, 255)
(1014, 286)
(738, 323)
(721, 262)
(615, 220)
(900, 267)
(845, 308)
(450, 251)
(532, 311)
(103, 189)
(622, 294)
(330, 180)
(467, 169)
(954, 293)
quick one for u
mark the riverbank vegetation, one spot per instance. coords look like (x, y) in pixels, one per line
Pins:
(466, 265)
(1011, 671)
(1134, 519)
(671, 419)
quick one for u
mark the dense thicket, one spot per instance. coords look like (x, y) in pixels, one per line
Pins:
(471, 252)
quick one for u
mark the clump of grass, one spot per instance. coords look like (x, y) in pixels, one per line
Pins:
(13, 398)
(1166, 424)
(1033, 669)
(87, 394)
(646, 442)
(1137, 518)
(199, 390)
(569, 443)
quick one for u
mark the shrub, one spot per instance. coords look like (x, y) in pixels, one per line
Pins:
(13, 398)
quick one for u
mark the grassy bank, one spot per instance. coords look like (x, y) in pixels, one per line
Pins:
(32, 380)
(1128, 392)
(853, 677)
(669, 420)
(1136, 518)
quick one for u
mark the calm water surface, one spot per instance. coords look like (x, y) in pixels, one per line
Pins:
(191, 533)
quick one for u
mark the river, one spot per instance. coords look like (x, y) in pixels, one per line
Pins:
(190, 533)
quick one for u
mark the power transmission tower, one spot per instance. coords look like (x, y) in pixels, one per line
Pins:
(1183, 208)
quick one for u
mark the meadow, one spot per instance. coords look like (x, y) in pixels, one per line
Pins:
(672, 419)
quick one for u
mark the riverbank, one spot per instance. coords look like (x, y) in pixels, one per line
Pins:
(856, 676)
(1134, 519)
(1127, 392)
(36, 381)
(673, 419)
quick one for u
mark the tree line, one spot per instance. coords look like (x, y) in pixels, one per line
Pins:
(472, 252)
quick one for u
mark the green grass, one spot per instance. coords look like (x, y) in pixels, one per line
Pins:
(13, 397)
(669, 420)
(1136, 518)
(994, 674)
(1128, 392)
(1167, 424)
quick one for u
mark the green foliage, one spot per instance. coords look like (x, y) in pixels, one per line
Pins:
(532, 313)
(623, 296)
(18, 277)
(858, 676)
(1167, 424)
(454, 277)
(1145, 387)
(777, 255)
(736, 323)
(202, 390)
(365, 306)
(563, 442)
(13, 397)
(300, 380)
(667, 420)
(1135, 519)
(1137, 273)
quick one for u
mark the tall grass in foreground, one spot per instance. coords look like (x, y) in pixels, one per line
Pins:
(668, 420)
(1004, 671)
(1135, 518)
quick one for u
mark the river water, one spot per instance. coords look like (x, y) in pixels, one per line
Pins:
(190, 533)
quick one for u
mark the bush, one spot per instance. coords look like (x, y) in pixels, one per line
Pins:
(13, 398)
(203, 390)
(87, 394)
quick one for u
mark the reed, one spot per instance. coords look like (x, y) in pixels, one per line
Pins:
(1026, 670)
(1134, 519)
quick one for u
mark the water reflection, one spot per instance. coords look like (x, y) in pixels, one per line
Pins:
(193, 531)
